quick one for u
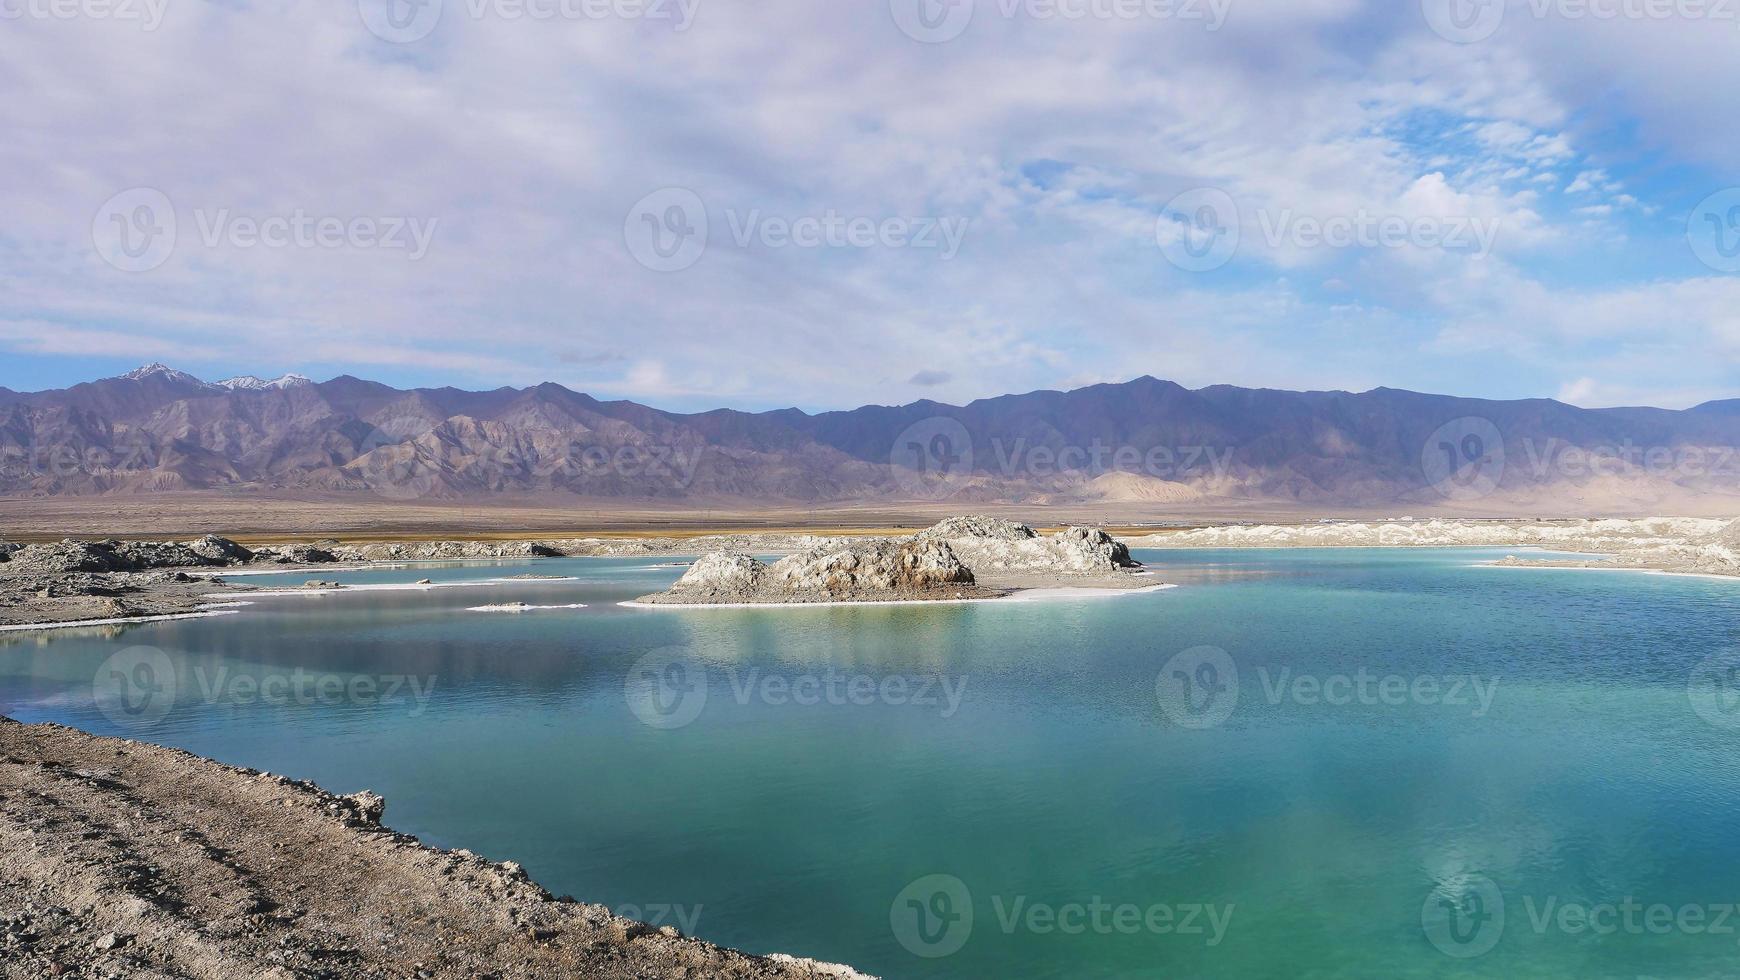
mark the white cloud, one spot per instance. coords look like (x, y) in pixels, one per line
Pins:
(1057, 143)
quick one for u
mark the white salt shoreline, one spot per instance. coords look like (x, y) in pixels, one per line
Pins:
(119, 621)
(402, 587)
(1023, 595)
(514, 607)
(352, 566)
(1603, 568)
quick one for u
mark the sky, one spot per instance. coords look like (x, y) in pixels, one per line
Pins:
(828, 203)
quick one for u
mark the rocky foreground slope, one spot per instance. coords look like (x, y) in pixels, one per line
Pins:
(121, 859)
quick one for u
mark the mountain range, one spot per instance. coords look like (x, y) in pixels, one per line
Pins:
(1146, 441)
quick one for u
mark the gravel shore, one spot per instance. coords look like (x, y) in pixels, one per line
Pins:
(122, 859)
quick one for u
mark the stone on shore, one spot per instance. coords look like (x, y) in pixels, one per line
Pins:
(724, 574)
(909, 567)
(990, 544)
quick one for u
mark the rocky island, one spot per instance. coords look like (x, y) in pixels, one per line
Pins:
(960, 558)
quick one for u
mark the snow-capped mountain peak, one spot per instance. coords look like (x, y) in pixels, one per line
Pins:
(158, 370)
(248, 382)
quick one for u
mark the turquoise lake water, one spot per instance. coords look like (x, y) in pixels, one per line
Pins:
(1343, 763)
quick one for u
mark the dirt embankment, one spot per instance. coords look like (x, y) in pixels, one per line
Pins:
(121, 859)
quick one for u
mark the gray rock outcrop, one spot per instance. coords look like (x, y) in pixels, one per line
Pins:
(909, 567)
(876, 569)
(723, 576)
(296, 554)
(1092, 548)
(989, 545)
(69, 556)
(979, 526)
(221, 551)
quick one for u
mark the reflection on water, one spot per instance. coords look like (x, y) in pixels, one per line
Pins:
(790, 778)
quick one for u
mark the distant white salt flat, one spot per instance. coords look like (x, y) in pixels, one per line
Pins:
(348, 566)
(1065, 593)
(1025, 595)
(1614, 568)
(406, 586)
(518, 607)
(119, 621)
